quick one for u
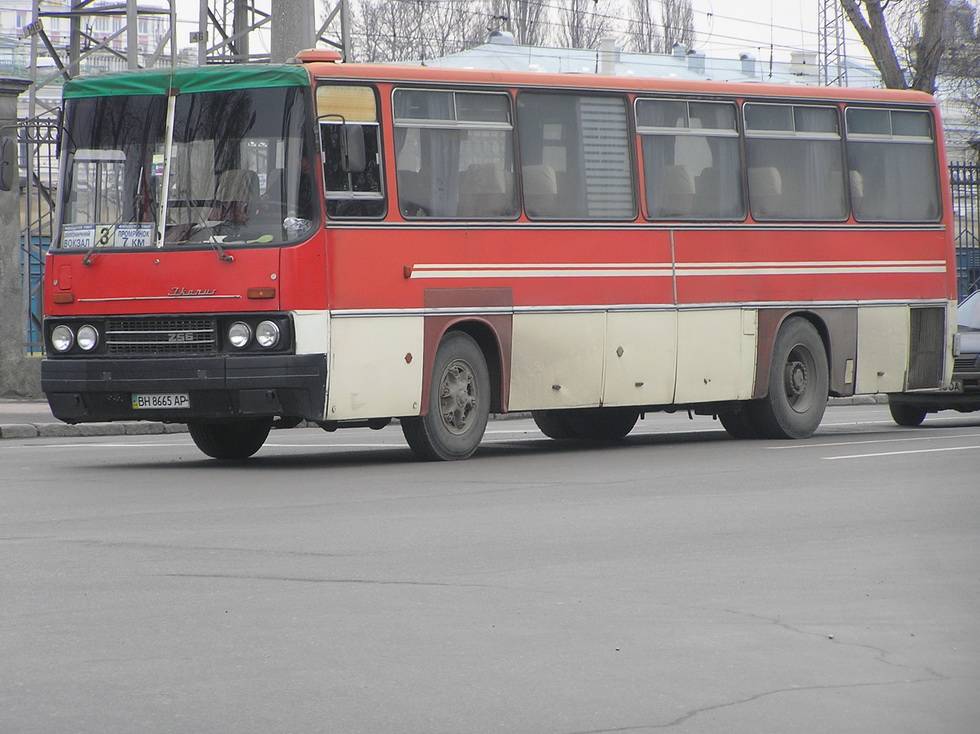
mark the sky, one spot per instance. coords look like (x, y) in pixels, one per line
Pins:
(724, 28)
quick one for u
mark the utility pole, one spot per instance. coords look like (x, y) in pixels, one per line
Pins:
(292, 29)
(224, 27)
(833, 57)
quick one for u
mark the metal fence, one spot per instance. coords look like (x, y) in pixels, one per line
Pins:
(39, 171)
(964, 180)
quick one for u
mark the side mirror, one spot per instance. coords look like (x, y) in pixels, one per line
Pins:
(352, 140)
(8, 163)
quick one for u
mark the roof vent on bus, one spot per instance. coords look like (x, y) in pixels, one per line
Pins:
(748, 64)
(312, 55)
(502, 38)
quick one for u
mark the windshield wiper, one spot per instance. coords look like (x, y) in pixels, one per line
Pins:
(100, 241)
(220, 251)
(212, 240)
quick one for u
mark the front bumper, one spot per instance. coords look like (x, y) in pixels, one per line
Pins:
(220, 388)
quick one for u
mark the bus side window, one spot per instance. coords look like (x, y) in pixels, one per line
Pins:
(350, 143)
(691, 162)
(580, 143)
(454, 154)
(795, 162)
(892, 157)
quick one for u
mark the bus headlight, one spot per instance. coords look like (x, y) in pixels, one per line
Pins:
(88, 338)
(267, 334)
(62, 338)
(239, 334)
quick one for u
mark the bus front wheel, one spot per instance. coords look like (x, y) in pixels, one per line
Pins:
(230, 440)
(459, 403)
(798, 384)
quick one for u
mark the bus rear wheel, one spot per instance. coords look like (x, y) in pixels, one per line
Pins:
(237, 440)
(739, 423)
(906, 415)
(459, 403)
(798, 384)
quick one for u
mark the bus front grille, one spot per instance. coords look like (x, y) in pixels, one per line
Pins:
(163, 336)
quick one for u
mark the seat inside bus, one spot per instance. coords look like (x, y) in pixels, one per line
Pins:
(486, 190)
(765, 192)
(540, 191)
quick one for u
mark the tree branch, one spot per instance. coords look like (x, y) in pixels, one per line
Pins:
(930, 49)
(874, 33)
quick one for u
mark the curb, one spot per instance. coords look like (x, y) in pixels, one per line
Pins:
(65, 430)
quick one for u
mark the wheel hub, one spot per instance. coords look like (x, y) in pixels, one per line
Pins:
(458, 398)
(795, 378)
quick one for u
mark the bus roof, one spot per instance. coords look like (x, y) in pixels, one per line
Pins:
(498, 78)
(247, 76)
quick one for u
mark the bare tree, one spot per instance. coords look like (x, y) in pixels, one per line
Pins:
(960, 69)
(383, 32)
(582, 23)
(402, 30)
(644, 31)
(928, 39)
(868, 19)
(678, 20)
(650, 35)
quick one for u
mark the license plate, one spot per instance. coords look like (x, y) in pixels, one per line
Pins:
(156, 401)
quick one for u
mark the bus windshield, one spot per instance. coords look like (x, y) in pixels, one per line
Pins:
(239, 169)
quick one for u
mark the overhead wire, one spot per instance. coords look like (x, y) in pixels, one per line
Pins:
(718, 42)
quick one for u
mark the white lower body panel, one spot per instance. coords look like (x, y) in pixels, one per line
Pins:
(375, 367)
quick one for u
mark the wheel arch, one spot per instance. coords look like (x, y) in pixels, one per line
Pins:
(491, 334)
(488, 339)
(770, 322)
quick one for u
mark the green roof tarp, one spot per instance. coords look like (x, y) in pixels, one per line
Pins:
(186, 80)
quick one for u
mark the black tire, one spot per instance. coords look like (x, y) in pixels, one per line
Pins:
(739, 423)
(906, 415)
(237, 440)
(459, 403)
(553, 423)
(798, 384)
(602, 424)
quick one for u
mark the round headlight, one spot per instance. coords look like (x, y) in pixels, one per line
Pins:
(62, 338)
(88, 337)
(267, 334)
(239, 334)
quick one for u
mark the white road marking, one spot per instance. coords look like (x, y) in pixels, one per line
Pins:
(867, 441)
(903, 453)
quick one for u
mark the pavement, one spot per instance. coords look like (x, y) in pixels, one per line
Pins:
(33, 419)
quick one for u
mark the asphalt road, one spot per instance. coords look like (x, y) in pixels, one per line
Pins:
(678, 581)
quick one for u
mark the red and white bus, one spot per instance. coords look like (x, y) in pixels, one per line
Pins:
(243, 247)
